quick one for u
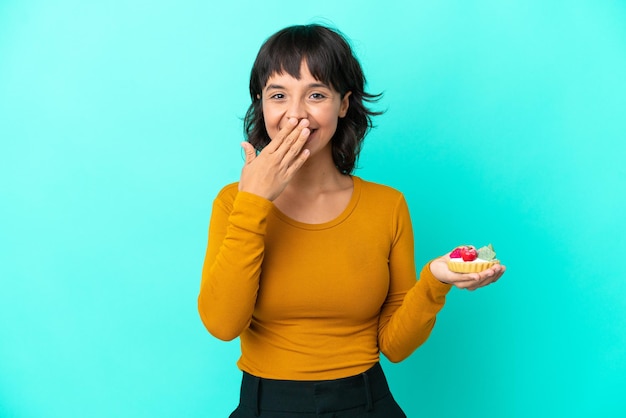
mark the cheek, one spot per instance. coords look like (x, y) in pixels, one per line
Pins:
(271, 122)
(272, 115)
(328, 119)
(328, 115)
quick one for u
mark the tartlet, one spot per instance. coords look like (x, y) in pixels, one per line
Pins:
(467, 259)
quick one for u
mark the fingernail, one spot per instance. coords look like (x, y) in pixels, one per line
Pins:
(293, 121)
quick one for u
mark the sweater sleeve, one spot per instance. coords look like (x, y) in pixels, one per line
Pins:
(232, 264)
(409, 312)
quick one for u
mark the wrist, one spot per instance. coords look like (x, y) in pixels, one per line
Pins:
(438, 268)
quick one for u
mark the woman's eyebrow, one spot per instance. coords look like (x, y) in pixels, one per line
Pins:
(310, 86)
(318, 85)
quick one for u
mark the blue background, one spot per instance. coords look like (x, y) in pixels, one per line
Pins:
(120, 120)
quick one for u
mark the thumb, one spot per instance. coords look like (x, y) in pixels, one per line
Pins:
(249, 151)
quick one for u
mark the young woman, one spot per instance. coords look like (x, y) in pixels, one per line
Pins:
(312, 267)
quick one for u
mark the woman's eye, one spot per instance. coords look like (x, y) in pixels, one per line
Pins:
(317, 96)
(277, 96)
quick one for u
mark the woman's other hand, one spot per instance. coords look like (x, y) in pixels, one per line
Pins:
(469, 281)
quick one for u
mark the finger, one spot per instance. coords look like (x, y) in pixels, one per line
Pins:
(498, 275)
(478, 285)
(487, 279)
(466, 284)
(294, 149)
(494, 273)
(295, 140)
(250, 152)
(474, 277)
(297, 163)
(495, 270)
(486, 275)
(278, 140)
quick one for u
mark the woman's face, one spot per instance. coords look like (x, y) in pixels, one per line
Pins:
(286, 97)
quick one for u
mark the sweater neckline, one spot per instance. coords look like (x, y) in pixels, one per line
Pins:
(356, 193)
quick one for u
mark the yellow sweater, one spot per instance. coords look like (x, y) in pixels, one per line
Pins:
(316, 301)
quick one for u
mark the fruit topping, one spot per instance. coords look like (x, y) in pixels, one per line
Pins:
(487, 253)
(469, 253)
(456, 253)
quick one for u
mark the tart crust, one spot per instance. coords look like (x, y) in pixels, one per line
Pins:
(470, 267)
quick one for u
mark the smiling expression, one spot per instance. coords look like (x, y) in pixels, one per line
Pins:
(286, 97)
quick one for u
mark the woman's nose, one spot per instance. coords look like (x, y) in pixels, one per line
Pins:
(296, 110)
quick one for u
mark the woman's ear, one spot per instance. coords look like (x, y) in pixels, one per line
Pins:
(345, 104)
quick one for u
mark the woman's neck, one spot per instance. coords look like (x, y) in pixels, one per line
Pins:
(318, 193)
(318, 175)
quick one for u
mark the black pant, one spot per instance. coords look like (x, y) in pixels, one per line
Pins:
(363, 395)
